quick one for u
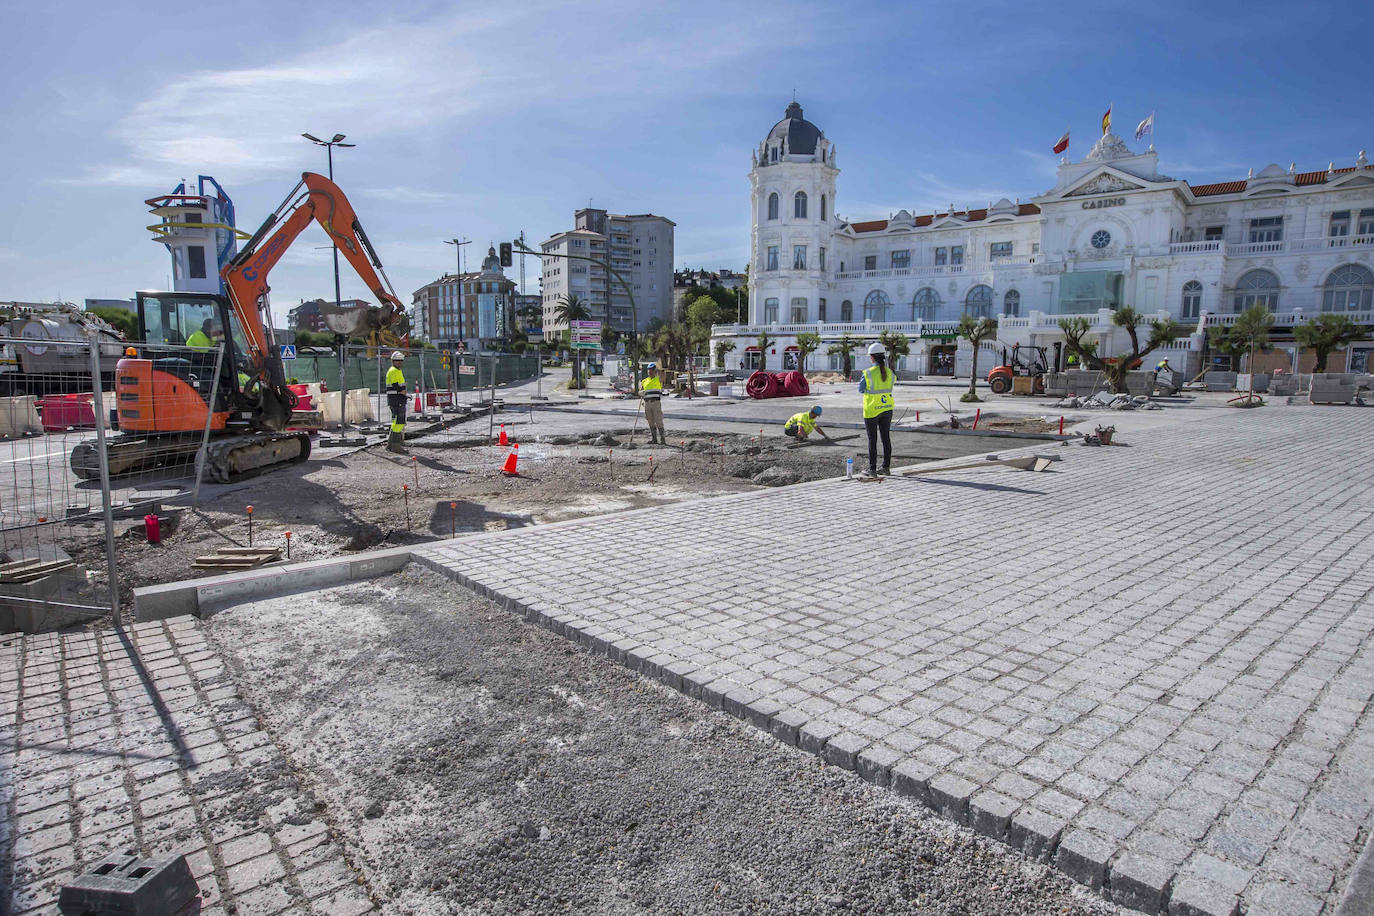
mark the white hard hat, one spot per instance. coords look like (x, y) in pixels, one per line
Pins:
(651, 365)
(876, 349)
(397, 355)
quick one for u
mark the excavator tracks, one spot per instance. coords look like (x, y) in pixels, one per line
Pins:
(228, 458)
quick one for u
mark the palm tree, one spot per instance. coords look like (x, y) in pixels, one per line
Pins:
(1116, 368)
(807, 343)
(1325, 333)
(975, 332)
(570, 308)
(896, 345)
(1252, 327)
(764, 343)
(844, 348)
(723, 347)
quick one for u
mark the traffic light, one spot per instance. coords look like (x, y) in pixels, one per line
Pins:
(505, 254)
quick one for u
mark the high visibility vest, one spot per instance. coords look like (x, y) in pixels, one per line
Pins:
(395, 381)
(803, 420)
(200, 340)
(1162, 364)
(651, 389)
(877, 391)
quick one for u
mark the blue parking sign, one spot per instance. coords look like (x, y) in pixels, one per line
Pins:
(288, 351)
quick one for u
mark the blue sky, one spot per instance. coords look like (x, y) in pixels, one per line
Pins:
(484, 119)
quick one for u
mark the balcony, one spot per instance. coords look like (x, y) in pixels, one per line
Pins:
(1099, 321)
(941, 270)
(1289, 319)
(1212, 246)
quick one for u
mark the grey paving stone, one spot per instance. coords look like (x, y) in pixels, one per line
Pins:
(1140, 882)
(812, 736)
(842, 750)
(950, 795)
(1275, 898)
(1197, 897)
(1035, 833)
(990, 813)
(875, 763)
(912, 778)
(1083, 856)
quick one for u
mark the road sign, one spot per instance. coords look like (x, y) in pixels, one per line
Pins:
(467, 370)
(288, 351)
(585, 335)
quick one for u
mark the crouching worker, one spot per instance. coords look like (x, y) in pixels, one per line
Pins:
(801, 425)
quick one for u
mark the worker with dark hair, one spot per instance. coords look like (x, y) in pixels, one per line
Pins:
(204, 339)
(876, 387)
(396, 402)
(801, 425)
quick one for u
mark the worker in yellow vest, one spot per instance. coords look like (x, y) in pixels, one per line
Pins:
(396, 403)
(876, 387)
(205, 338)
(801, 425)
(651, 391)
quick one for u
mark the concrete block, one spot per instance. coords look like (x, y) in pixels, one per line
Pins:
(949, 795)
(1140, 882)
(786, 726)
(874, 764)
(812, 736)
(1083, 856)
(1035, 833)
(990, 813)
(842, 750)
(912, 778)
(1193, 896)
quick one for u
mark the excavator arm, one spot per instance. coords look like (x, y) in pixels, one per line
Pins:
(245, 279)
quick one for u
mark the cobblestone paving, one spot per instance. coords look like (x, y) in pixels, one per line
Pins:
(1151, 667)
(108, 745)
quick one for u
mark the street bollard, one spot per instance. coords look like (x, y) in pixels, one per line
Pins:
(452, 519)
(288, 545)
(250, 526)
(405, 494)
(977, 416)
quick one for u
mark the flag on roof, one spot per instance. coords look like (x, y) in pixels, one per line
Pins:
(1062, 143)
(1146, 126)
(1107, 120)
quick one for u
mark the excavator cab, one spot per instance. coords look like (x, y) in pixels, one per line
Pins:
(167, 386)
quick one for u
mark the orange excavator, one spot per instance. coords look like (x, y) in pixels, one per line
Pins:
(176, 380)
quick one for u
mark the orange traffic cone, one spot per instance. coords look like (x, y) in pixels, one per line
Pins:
(509, 467)
(502, 440)
(417, 408)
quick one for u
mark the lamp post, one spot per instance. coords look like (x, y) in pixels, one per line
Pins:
(329, 145)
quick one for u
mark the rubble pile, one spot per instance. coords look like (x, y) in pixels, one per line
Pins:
(1110, 401)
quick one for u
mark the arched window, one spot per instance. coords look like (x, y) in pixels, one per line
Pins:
(1192, 299)
(823, 216)
(875, 306)
(1258, 287)
(846, 310)
(926, 304)
(773, 205)
(1011, 303)
(978, 302)
(799, 205)
(1349, 288)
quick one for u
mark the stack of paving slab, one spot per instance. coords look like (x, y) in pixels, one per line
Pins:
(1336, 387)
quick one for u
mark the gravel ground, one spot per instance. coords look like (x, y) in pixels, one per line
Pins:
(473, 763)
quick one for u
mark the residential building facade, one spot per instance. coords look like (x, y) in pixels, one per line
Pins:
(1113, 231)
(473, 309)
(639, 247)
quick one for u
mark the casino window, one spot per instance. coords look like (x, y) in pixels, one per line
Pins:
(822, 208)
(870, 262)
(941, 256)
(770, 311)
(1348, 289)
(956, 255)
(1000, 250)
(925, 304)
(1011, 303)
(772, 257)
(196, 256)
(820, 307)
(1339, 226)
(1192, 299)
(846, 310)
(798, 309)
(1213, 233)
(1266, 229)
(875, 306)
(1258, 287)
(820, 257)
(799, 205)
(901, 259)
(1366, 226)
(799, 257)
(773, 206)
(978, 302)
(1101, 239)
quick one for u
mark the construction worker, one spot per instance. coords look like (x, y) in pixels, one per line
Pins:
(1163, 365)
(801, 425)
(651, 390)
(396, 403)
(876, 387)
(204, 339)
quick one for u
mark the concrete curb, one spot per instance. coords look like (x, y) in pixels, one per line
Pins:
(202, 596)
(1358, 897)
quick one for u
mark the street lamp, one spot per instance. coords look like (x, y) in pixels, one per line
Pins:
(329, 148)
(329, 145)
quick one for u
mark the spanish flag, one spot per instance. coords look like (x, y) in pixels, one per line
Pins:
(1107, 120)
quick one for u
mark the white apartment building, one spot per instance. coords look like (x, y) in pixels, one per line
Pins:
(1113, 231)
(640, 250)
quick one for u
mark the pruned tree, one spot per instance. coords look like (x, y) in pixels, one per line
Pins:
(844, 348)
(976, 332)
(764, 343)
(1325, 333)
(723, 347)
(896, 345)
(1221, 342)
(807, 343)
(1252, 328)
(1116, 367)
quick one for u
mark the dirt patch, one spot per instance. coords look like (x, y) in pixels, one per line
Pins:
(473, 763)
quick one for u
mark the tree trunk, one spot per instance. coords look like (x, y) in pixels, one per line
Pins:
(1320, 364)
(973, 375)
(848, 368)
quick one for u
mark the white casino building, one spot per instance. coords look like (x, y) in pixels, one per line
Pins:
(1112, 231)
